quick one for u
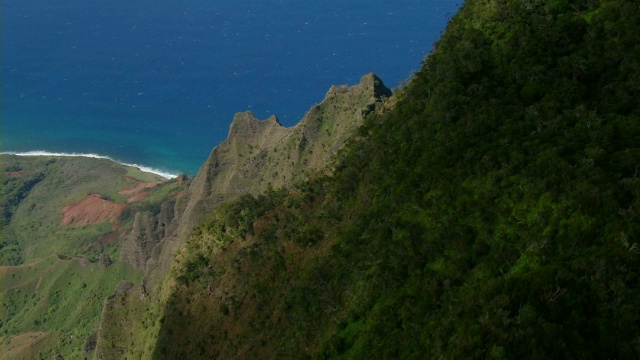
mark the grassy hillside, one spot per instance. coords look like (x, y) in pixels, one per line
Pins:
(492, 213)
(62, 219)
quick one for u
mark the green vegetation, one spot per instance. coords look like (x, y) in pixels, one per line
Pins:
(491, 213)
(52, 282)
(489, 210)
(34, 209)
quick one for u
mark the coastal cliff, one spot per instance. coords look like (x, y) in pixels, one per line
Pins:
(257, 156)
(491, 212)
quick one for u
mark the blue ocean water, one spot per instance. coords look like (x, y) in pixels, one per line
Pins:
(157, 82)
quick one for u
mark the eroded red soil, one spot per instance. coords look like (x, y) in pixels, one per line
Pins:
(137, 197)
(136, 192)
(139, 186)
(94, 209)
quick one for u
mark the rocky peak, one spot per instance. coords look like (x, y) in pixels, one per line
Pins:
(245, 125)
(372, 80)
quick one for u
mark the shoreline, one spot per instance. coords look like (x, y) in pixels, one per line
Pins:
(164, 174)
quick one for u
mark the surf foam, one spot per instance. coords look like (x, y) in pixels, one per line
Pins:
(164, 174)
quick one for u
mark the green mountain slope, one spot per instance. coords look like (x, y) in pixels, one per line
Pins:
(257, 156)
(492, 213)
(489, 210)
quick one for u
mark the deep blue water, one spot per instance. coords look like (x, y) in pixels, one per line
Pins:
(157, 82)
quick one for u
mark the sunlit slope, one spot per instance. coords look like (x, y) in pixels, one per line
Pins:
(62, 222)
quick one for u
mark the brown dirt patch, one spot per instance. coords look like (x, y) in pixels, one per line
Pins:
(136, 191)
(106, 240)
(94, 209)
(139, 186)
(181, 178)
(21, 345)
(110, 238)
(137, 197)
(13, 174)
(84, 262)
(38, 285)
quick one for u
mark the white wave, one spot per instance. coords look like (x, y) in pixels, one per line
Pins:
(164, 174)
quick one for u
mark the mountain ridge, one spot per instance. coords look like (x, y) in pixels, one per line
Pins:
(489, 209)
(134, 223)
(491, 213)
(257, 156)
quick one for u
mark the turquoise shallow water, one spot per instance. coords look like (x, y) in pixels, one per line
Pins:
(157, 83)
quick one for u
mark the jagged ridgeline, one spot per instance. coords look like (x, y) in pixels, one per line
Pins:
(77, 231)
(492, 213)
(256, 157)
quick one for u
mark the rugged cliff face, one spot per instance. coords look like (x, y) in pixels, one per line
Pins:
(262, 154)
(256, 156)
(139, 242)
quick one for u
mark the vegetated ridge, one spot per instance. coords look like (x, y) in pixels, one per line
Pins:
(491, 213)
(66, 218)
(258, 155)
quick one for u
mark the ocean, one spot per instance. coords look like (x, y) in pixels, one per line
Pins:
(156, 83)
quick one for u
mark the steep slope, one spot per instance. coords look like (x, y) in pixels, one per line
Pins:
(257, 156)
(493, 213)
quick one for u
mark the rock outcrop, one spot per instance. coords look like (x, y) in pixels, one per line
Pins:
(262, 154)
(147, 231)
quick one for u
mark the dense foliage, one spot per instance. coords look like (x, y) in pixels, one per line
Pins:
(493, 212)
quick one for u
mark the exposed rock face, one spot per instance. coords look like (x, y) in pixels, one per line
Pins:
(89, 345)
(139, 242)
(146, 232)
(260, 154)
